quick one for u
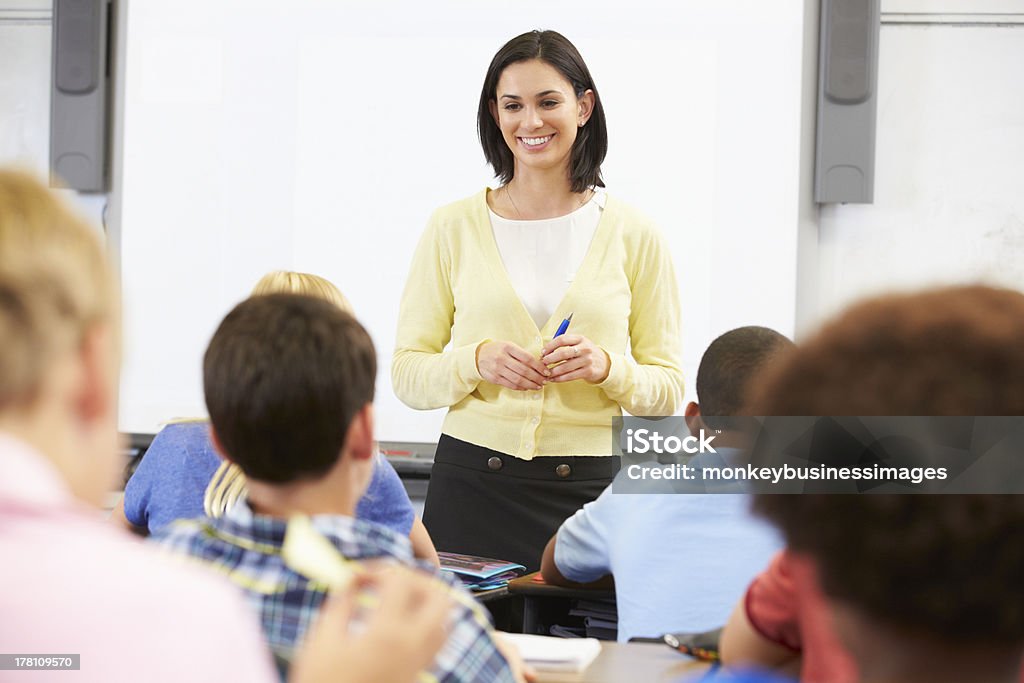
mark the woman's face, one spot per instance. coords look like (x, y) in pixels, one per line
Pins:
(538, 114)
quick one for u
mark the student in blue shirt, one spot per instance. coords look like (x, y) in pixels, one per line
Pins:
(180, 465)
(680, 560)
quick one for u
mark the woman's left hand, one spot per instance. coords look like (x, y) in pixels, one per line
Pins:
(573, 356)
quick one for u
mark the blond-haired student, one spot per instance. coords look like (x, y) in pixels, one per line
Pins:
(70, 580)
(290, 281)
(182, 476)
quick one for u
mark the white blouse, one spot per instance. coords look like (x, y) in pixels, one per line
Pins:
(542, 256)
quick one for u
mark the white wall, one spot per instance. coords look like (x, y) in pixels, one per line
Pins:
(949, 172)
(949, 187)
(24, 86)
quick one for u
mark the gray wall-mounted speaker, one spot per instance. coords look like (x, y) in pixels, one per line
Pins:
(79, 103)
(847, 101)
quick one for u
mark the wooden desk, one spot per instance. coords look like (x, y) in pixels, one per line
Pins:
(525, 585)
(555, 599)
(629, 662)
(490, 595)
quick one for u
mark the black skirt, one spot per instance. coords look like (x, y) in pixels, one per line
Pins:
(483, 502)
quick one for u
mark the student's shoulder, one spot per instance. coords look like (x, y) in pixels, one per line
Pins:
(151, 577)
(178, 441)
(184, 431)
(627, 500)
(130, 583)
(386, 501)
(168, 595)
(187, 537)
(179, 449)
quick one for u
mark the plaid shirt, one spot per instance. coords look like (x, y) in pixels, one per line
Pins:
(246, 547)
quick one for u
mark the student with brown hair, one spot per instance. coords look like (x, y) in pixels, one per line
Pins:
(182, 477)
(894, 588)
(289, 384)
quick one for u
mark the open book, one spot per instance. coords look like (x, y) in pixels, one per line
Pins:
(545, 653)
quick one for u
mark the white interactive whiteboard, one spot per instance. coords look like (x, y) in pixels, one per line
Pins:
(319, 136)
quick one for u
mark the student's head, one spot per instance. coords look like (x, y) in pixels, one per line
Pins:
(726, 369)
(538, 85)
(58, 331)
(291, 282)
(229, 483)
(935, 574)
(289, 383)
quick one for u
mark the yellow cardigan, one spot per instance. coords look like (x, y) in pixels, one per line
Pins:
(624, 297)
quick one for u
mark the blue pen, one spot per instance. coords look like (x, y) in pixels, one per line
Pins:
(564, 326)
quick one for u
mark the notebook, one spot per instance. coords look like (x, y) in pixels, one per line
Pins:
(480, 573)
(545, 653)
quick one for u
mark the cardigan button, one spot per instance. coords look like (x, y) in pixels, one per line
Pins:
(494, 463)
(563, 470)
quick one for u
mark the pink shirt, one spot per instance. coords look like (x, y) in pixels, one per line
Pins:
(73, 584)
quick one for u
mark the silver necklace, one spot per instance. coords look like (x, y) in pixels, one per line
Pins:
(584, 198)
(508, 194)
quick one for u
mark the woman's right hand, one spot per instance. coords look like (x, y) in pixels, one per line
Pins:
(509, 365)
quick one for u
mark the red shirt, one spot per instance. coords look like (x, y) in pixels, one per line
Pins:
(785, 605)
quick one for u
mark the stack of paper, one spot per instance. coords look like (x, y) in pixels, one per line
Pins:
(480, 573)
(545, 653)
(600, 617)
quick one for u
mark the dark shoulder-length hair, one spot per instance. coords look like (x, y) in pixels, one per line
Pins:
(591, 145)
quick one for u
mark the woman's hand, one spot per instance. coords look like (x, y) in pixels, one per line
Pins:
(573, 356)
(508, 365)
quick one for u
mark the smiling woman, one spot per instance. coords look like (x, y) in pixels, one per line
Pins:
(540, 117)
(527, 439)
